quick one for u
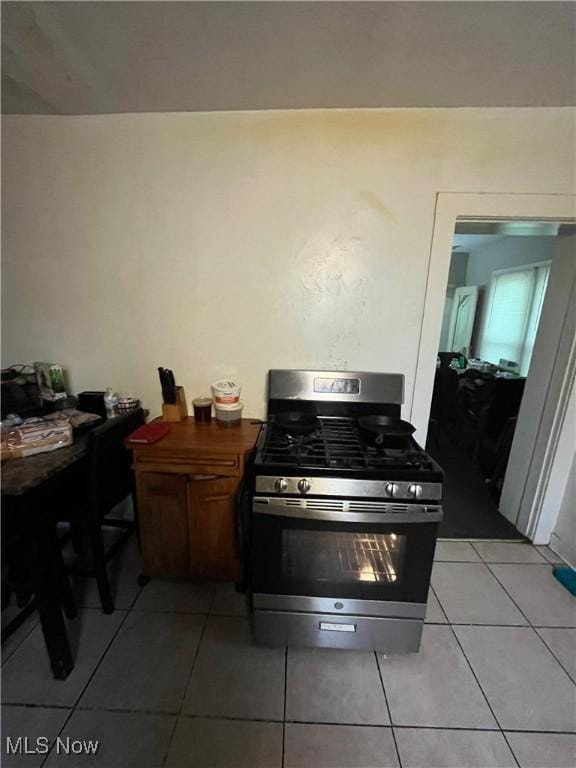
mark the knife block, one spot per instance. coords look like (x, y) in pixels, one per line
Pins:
(175, 411)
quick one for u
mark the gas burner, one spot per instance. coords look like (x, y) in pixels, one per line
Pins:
(296, 423)
(300, 440)
(337, 443)
(384, 456)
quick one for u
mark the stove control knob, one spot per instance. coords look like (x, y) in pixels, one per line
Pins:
(415, 490)
(281, 484)
(304, 485)
(391, 489)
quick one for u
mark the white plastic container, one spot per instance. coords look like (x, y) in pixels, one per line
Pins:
(226, 392)
(228, 414)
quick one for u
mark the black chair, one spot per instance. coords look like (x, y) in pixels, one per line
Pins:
(109, 481)
(33, 569)
(505, 405)
(444, 410)
(500, 456)
(501, 402)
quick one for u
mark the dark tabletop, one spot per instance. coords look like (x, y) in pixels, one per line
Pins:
(22, 475)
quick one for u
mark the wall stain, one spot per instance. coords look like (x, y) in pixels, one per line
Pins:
(374, 202)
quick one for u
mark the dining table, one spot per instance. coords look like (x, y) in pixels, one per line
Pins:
(31, 486)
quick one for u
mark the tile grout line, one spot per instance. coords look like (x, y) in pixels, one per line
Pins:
(137, 595)
(467, 729)
(495, 626)
(468, 624)
(495, 562)
(479, 540)
(529, 624)
(13, 651)
(285, 698)
(559, 560)
(188, 613)
(399, 727)
(500, 727)
(528, 620)
(532, 626)
(388, 709)
(90, 678)
(213, 600)
(440, 605)
(507, 592)
(552, 650)
(188, 680)
(227, 718)
(507, 562)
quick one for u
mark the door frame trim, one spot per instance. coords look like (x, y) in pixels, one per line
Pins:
(531, 509)
(449, 208)
(472, 291)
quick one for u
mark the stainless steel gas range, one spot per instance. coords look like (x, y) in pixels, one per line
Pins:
(341, 516)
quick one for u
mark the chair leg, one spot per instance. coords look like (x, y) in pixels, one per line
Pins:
(47, 588)
(76, 532)
(61, 576)
(99, 565)
(134, 496)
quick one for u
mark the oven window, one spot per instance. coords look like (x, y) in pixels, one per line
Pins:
(342, 557)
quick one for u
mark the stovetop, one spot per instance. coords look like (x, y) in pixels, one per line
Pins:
(338, 448)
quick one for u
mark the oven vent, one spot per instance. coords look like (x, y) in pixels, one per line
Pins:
(359, 506)
(347, 509)
(336, 505)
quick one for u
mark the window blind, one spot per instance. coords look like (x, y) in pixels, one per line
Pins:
(513, 312)
(535, 311)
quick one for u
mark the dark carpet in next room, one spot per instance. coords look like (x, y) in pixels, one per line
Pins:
(469, 510)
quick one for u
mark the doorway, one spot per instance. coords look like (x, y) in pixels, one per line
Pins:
(497, 282)
(531, 455)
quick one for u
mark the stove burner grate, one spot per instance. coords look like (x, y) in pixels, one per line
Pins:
(337, 443)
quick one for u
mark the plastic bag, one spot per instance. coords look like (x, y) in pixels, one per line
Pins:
(35, 436)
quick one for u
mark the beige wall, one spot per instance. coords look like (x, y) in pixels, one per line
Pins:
(229, 243)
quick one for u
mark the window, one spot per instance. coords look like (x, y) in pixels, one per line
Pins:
(512, 314)
(343, 557)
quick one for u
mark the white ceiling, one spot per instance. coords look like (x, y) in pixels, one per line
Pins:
(99, 57)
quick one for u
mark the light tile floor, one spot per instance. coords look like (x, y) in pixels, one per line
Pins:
(172, 679)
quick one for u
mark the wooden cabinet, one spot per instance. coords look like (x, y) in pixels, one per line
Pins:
(212, 527)
(186, 488)
(162, 511)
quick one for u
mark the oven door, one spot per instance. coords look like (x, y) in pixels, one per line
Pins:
(342, 556)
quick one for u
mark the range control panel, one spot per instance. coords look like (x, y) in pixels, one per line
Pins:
(407, 490)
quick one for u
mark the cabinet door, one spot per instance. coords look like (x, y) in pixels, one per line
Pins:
(212, 527)
(163, 520)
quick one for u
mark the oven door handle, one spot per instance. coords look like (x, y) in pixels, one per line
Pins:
(383, 513)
